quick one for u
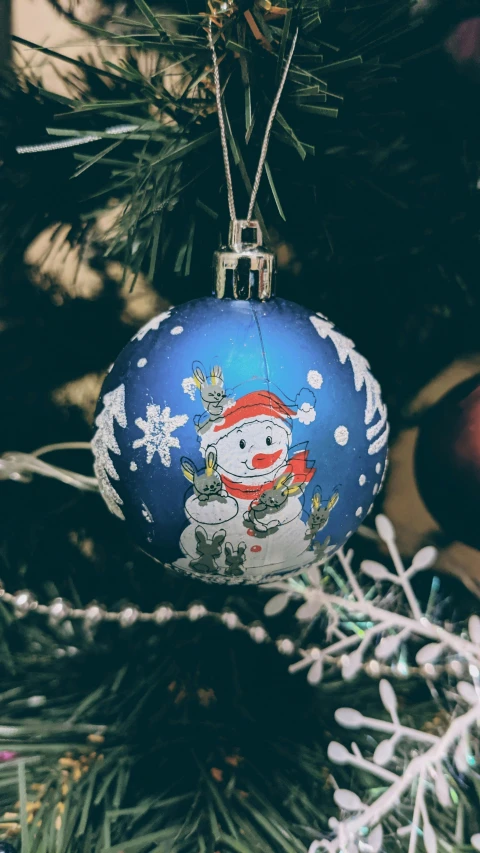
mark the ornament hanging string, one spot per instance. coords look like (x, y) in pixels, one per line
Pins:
(268, 129)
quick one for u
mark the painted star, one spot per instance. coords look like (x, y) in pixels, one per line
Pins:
(157, 429)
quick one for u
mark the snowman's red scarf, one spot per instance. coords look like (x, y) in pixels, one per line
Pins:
(297, 465)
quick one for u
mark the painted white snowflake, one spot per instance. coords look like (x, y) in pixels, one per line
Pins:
(157, 429)
(341, 435)
(152, 325)
(315, 379)
(189, 386)
(104, 443)
(362, 377)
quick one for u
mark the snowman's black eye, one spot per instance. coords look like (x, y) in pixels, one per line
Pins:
(243, 443)
(268, 440)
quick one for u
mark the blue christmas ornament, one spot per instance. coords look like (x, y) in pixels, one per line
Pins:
(241, 438)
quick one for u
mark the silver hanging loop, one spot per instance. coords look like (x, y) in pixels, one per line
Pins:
(244, 269)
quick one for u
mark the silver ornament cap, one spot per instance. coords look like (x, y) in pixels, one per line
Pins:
(244, 269)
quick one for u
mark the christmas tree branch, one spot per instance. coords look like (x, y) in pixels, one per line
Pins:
(176, 111)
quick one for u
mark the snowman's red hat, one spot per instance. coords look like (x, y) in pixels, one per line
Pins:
(257, 404)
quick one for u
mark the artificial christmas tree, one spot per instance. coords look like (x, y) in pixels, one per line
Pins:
(144, 710)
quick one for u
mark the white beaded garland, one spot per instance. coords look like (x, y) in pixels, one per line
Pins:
(258, 633)
(285, 646)
(196, 611)
(24, 601)
(163, 614)
(93, 615)
(58, 610)
(128, 617)
(230, 619)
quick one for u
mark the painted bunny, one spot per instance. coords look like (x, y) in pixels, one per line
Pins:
(319, 514)
(213, 394)
(270, 501)
(235, 560)
(207, 483)
(208, 549)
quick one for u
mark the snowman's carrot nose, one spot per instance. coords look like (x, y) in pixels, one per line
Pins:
(264, 460)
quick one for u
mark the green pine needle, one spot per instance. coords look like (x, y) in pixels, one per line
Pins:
(174, 108)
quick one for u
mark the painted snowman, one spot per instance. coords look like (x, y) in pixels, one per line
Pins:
(245, 513)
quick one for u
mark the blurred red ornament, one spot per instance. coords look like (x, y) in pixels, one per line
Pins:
(7, 755)
(447, 462)
(464, 42)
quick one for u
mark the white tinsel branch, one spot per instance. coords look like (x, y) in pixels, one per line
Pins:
(386, 632)
(347, 831)
(395, 627)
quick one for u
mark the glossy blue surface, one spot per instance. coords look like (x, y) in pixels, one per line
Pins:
(277, 454)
